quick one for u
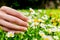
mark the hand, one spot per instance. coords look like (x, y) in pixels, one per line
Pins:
(11, 20)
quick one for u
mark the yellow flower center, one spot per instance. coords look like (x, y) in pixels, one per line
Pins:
(31, 10)
(58, 20)
(42, 34)
(49, 30)
(53, 20)
(46, 39)
(40, 20)
(35, 20)
(10, 35)
(54, 24)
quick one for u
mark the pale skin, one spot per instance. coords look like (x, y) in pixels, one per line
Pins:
(12, 20)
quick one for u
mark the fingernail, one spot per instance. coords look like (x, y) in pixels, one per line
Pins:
(28, 20)
(25, 29)
(27, 25)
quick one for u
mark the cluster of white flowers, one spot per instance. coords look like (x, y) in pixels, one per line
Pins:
(45, 37)
(35, 22)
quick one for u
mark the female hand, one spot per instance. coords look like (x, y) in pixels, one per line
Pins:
(11, 20)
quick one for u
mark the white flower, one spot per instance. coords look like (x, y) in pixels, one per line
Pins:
(10, 34)
(35, 24)
(56, 37)
(41, 33)
(50, 25)
(48, 38)
(54, 29)
(30, 19)
(49, 31)
(45, 17)
(39, 10)
(42, 25)
(40, 20)
(32, 11)
(58, 29)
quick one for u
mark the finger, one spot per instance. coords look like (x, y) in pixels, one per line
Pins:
(8, 30)
(13, 19)
(14, 12)
(12, 26)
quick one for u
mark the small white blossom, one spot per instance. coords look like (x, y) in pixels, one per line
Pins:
(32, 11)
(42, 25)
(58, 29)
(48, 38)
(40, 20)
(49, 30)
(45, 17)
(10, 34)
(56, 37)
(39, 10)
(30, 17)
(54, 29)
(34, 24)
(30, 20)
(49, 25)
(41, 33)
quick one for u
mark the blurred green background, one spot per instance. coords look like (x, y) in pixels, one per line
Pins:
(36, 4)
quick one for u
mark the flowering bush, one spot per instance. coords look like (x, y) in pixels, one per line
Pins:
(43, 25)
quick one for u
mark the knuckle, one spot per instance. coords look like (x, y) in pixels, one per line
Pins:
(15, 20)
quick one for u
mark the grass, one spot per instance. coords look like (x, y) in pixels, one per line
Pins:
(48, 30)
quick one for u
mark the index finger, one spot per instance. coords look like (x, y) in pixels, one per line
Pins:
(14, 13)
